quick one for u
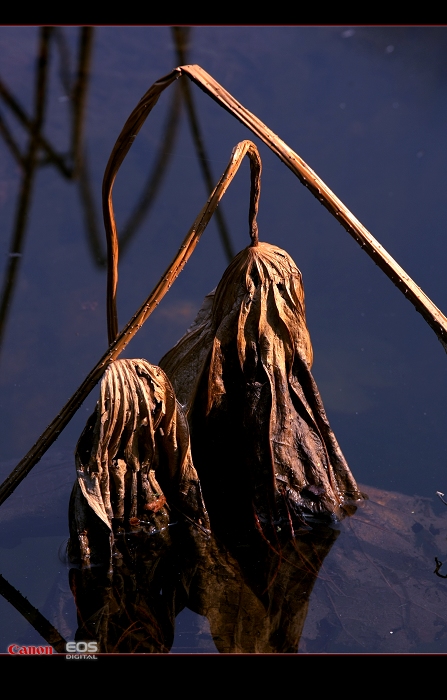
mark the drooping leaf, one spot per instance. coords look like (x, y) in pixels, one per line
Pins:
(261, 439)
(133, 463)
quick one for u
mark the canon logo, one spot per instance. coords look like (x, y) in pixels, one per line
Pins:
(15, 649)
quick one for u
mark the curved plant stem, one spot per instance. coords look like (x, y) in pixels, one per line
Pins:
(119, 152)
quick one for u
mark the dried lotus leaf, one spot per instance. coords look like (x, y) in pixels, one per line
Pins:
(133, 463)
(261, 440)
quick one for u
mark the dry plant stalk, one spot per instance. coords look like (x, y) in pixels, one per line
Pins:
(134, 465)
(261, 440)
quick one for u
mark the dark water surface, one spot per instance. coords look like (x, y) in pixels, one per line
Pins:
(366, 108)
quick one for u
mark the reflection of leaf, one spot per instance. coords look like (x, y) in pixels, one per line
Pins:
(256, 599)
(259, 430)
(133, 461)
(125, 610)
(377, 591)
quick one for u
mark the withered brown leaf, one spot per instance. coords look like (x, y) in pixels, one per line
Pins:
(261, 440)
(133, 464)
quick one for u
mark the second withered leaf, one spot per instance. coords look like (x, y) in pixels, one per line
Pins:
(261, 441)
(134, 467)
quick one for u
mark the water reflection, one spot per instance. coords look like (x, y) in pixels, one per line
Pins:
(73, 166)
(131, 608)
(39, 151)
(254, 597)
